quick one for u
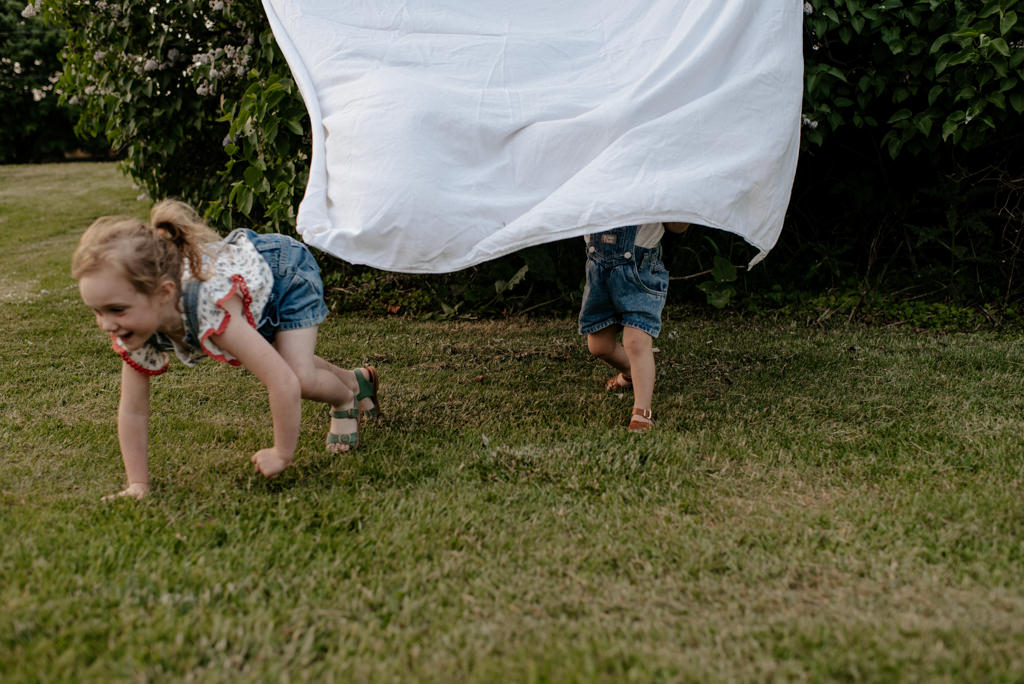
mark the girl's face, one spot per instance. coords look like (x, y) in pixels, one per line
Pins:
(122, 311)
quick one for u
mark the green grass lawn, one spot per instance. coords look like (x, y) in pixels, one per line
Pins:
(815, 504)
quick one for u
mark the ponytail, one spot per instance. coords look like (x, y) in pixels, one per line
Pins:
(147, 254)
(180, 225)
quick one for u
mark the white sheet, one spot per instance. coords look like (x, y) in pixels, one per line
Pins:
(450, 132)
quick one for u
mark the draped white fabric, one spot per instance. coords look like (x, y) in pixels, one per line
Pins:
(450, 132)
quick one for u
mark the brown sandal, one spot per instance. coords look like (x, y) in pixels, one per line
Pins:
(640, 420)
(619, 382)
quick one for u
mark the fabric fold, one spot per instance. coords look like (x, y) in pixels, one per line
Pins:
(448, 133)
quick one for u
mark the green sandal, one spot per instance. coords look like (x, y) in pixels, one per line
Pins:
(335, 441)
(368, 388)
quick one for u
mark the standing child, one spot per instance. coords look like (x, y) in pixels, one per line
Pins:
(626, 288)
(249, 299)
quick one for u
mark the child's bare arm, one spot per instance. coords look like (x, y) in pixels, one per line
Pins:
(677, 227)
(243, 342)
(133, 431)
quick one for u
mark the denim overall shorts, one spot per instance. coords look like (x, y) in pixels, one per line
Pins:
(296, 297)
(626, 284)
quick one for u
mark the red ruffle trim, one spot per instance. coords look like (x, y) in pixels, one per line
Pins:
(126, 356)
(240, 287)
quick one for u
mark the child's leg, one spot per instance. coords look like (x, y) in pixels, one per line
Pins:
(349, 378)
(639, 349)
(320, 383)
(604, 344)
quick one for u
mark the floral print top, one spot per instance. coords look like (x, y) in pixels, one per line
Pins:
(237, 268)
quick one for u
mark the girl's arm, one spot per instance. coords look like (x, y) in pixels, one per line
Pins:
(677, 227)
(243, 342)
(133, 431)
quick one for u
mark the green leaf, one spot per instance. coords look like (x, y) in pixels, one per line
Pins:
(951, 124)
(502, 286)
(1001, 47)
(997, 99)
(723, 270)
(833, 71)
(975, 110)
(965, 55)
(924, 124)
(966, 93)
(893, 144)
(900, 115)
(245, 206)
(718, 295)
(1017, 102)
(1007, 22)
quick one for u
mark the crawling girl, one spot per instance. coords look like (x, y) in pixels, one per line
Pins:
(173, 285)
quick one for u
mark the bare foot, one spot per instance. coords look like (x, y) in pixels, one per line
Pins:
(138, 490)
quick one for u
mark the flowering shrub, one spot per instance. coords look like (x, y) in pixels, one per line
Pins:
(196, 98)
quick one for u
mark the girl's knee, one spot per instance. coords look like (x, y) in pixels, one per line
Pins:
(601, 347)
(309, 381)
(637, 341)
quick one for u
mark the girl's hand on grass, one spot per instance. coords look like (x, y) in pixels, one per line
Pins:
(269, 462)
(137, 490)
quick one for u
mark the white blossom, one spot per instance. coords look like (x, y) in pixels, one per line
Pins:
(32, 9)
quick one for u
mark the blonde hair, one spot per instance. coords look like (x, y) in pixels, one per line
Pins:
(146, 253)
